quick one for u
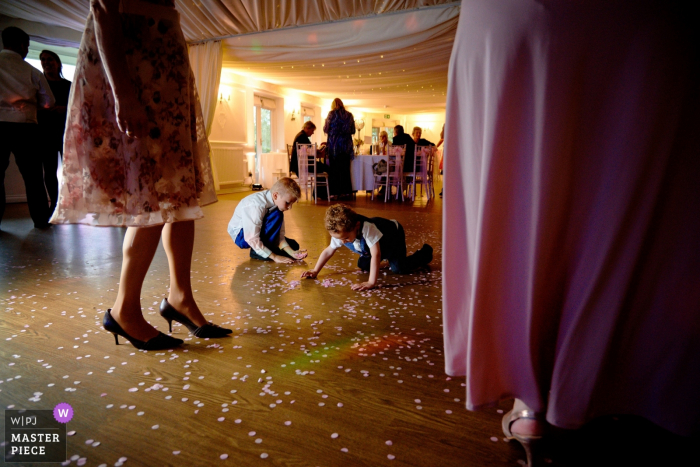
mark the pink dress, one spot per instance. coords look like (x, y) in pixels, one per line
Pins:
(110, 179)
(572, 265)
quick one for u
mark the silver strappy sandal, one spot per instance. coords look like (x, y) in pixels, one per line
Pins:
(529, 442)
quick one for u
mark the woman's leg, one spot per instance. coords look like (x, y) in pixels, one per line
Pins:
(178, 241)
(140, 244)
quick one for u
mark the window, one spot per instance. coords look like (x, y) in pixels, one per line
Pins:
(262, 126)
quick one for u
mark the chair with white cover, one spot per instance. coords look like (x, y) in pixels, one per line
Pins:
(393, 177)
(419, 175)
(309, 177)
(431, 171)
(289, 156)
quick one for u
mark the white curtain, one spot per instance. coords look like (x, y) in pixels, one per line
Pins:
(388, 54)
(212, 19)
(396, 61)
(44, 33)
(206, 60)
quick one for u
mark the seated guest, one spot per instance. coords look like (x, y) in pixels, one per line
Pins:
(401, 138)
(383, 142)
(417, 133)
(258, 223)
(303, 138)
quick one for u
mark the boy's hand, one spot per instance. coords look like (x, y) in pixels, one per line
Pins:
(362, 286)
(300, 254)
(311, 274)
(281, 259)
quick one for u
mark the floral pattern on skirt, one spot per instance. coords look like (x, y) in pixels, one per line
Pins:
(110, 179)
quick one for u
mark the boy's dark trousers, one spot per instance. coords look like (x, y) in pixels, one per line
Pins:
(21, 140)
(269, 235)
(394, 250)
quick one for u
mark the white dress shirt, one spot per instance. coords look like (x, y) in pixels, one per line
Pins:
(249, 215)
(22, 88)
(370, 233)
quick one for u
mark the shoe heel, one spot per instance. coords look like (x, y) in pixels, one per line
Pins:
(531, 443)
(116, 340)
(170, 314)
(532, 446)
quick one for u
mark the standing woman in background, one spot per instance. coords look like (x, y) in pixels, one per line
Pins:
(52, 122)
(340, 126)
(137, 155)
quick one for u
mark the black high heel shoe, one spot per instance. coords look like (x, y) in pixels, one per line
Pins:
(210, 330)
(160, 342)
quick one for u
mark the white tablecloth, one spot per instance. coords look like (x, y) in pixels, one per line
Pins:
(272, 162)
(361, 172)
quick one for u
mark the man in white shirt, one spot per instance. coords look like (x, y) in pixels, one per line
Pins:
(258, 223)
(22, 89)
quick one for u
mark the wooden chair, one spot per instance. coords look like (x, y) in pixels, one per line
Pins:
(306, 154)
(419, 176)
(393, 177)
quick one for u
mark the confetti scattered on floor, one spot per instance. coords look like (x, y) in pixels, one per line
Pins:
(313, 374)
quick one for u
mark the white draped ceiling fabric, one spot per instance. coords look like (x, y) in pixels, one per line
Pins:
(374, 54)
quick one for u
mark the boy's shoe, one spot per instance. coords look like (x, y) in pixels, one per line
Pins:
(426, 254)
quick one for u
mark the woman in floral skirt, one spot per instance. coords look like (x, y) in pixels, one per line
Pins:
(136, 155)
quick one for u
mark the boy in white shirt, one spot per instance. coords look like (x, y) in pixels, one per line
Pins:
(374, 239)
(258, 223)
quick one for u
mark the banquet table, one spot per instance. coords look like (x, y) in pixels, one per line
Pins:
(361, 172)
(271, 163)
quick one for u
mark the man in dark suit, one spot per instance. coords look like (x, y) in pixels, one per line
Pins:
(401, 138)
(418, 141)
(302, 138)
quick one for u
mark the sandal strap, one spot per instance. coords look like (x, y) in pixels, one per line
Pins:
(512, 417)
(526, 413)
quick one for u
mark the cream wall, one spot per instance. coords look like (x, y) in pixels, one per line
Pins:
(431, 123)
(232, 137)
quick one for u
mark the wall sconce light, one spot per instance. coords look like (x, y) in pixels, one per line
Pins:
(294, 114)
(223, 97)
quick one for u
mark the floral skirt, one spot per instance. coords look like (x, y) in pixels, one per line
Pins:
(110, 179)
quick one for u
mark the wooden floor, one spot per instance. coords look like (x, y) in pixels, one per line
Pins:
(314, 374)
